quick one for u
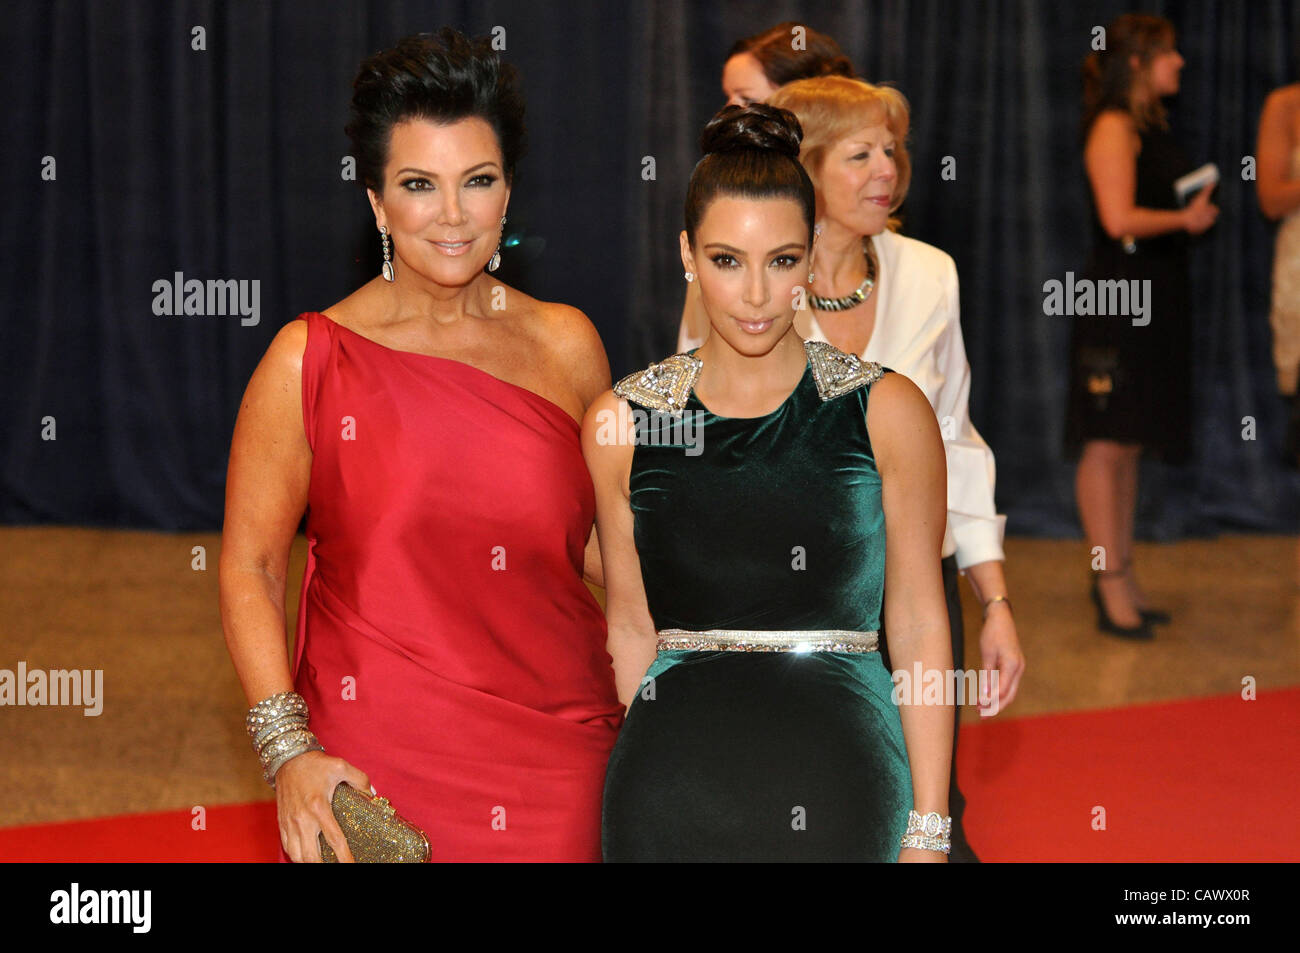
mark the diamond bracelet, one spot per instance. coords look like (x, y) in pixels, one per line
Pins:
(278, 727)
(927, 843)
(928, 832)
(932, 824)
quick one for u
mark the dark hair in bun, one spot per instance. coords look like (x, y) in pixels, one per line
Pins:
(751, 152)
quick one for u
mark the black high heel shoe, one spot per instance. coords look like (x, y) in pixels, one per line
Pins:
(1138, 633)
(1150, 616)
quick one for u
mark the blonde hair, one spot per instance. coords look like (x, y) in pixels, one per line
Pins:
(831, 108)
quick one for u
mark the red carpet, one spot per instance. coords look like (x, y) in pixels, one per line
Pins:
(1211, 779)
(1205, 780)
(235, 833)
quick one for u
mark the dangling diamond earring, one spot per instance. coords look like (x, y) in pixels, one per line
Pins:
(817, 230)
(388, 255)
(495, 262)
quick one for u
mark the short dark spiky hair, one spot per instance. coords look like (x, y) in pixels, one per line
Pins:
(443, 77)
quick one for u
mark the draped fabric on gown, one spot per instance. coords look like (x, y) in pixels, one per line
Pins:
(447, 645)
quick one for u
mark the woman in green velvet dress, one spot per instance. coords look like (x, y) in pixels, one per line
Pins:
(752, 495)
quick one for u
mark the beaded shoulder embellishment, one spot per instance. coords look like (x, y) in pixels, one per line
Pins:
(664, 385)
(837, 372)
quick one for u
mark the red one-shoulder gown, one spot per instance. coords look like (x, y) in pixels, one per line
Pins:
(446, 644)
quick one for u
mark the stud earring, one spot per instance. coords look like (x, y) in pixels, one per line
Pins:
(388, 255)
(689, 276)
(495, 262)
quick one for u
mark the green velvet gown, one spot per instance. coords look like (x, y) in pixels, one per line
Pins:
(766, 523)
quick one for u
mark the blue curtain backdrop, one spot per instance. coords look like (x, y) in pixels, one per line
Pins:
(225, 163)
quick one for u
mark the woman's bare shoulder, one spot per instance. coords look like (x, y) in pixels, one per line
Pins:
(553, 321)
(1287, 96)
(896, 392)
(573, 329)
(898, 412)
(284, 354)
(608, 439)
(1284, 104)
(570, 341)
(1113, 125)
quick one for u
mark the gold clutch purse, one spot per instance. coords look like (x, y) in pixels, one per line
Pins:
(375, 832)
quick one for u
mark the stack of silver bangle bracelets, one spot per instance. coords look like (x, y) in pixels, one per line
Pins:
(278, 727)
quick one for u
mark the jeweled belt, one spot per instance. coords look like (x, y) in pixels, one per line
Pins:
(756, 640)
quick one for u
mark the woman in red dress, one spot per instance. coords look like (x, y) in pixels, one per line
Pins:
(447, 650)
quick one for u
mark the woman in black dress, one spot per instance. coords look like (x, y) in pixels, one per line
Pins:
(1130, 373)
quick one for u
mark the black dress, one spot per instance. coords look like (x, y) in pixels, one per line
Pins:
(1133, 383)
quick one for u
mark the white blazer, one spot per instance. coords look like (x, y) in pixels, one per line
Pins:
(918, 334)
